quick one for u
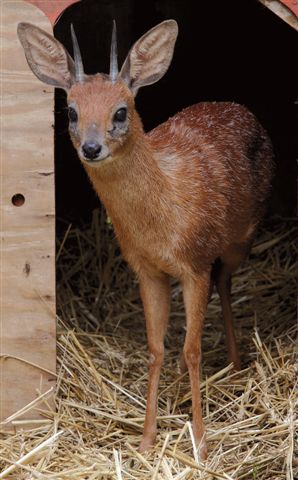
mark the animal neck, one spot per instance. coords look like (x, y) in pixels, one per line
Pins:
(133, 180)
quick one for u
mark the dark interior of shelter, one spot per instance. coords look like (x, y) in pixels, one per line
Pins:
(226, 51)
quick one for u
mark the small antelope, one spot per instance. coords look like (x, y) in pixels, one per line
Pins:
(185, 199)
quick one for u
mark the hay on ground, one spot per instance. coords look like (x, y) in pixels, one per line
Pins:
(250, 416)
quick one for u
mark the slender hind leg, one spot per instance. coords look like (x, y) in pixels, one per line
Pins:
(223, 285)
(195, 293)
(229, 263)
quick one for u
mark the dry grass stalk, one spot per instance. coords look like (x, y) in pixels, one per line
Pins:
(102, 375)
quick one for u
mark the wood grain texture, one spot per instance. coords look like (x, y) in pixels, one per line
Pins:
(27, 231)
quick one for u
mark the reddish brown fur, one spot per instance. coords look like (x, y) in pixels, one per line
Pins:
(185, 199)
(182, 194)
(189, 192)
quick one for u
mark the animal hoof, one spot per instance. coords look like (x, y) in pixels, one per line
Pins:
(147, 443)
(202, 451)
(182, 364)
(201, 445)
(236, 364)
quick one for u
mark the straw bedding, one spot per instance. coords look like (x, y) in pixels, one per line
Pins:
(100, 397)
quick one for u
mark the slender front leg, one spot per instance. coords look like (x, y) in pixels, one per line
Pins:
(196, 292)
(182, 363)
(155, 293)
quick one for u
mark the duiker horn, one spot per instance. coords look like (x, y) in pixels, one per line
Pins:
(113, 56)
(79, 68)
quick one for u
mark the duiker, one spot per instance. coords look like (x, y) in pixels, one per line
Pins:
(185, 199)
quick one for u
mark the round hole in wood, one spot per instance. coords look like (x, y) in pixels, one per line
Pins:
(18, 199)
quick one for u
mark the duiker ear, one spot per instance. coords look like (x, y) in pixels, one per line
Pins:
(46, 57)
(150, 57)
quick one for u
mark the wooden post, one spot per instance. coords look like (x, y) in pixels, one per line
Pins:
(27, 216)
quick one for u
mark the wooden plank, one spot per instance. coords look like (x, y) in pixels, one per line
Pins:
(27, 271)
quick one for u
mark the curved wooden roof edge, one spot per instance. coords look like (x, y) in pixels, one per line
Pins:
(286, 9)
(292, 5)
(52, 9)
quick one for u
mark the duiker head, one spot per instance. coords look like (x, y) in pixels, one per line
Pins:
(101, 107)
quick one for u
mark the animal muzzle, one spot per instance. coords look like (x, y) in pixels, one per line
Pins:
(91, 150)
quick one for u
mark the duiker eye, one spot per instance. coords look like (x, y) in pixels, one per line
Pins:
(72, 114)
(120, 115)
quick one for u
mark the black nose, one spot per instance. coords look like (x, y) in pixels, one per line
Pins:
(91, 150)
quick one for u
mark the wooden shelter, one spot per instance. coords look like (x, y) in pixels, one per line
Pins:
(28, 318)
(27, 212)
